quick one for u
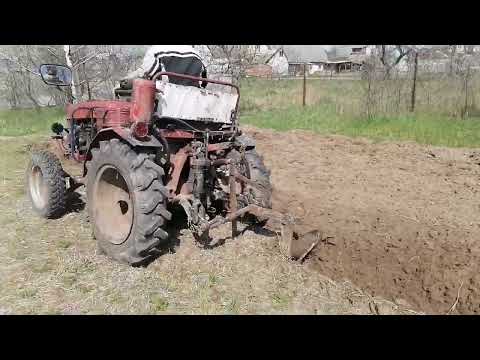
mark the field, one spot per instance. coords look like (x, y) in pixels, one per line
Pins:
(51, 267)
(337, 107)
(400, 217)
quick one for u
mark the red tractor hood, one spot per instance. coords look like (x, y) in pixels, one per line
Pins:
(110, 112)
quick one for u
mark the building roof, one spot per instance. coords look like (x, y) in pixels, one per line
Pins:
(341, 53)
(305, 53)
(320, 53)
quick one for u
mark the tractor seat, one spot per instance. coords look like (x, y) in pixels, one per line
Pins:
(126, 84)
(125, 89)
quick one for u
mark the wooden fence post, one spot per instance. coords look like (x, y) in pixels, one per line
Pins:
(412, 103)
(304, 82)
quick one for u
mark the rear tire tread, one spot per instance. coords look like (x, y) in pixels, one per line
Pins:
(261, 176)
(54, 177)
(149, 197)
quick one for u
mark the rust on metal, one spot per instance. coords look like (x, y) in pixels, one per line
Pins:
(284, 223)
(246, 180)
(178, 162)
(219, 146)
(176, 134)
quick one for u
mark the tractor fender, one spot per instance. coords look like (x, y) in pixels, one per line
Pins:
(244, 141)
(122, 134)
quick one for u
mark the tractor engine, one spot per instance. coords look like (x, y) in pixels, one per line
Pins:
(83, 134)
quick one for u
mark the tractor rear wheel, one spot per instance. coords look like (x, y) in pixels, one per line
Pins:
(46, 188)
(253, 167)
(259, 173)
(127, 202)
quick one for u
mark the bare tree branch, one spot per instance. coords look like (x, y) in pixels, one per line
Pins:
(87, 58)
(6, 57)
(52, 51)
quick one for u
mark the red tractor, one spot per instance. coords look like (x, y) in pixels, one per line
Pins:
(158, 146)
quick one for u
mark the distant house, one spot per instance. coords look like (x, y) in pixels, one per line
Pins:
(278, 60)
(269, 60)
(268, 57)
(260, 57)
(313, 57)
(259, 70)
(320, 58)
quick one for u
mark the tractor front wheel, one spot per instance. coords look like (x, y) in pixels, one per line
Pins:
(127, 202)
(46, 188)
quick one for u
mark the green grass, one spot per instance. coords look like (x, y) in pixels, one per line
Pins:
(158, 303)
(335, 107)
(421, 128)
(29, 121)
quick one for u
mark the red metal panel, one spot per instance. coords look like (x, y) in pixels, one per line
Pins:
(109, 113)
(143, 100)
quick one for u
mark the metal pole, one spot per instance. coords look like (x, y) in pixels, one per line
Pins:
(233, 198)
(304, 83)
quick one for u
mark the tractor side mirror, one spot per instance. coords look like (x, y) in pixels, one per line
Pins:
(58, 75)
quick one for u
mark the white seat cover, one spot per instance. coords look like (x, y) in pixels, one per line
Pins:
(192, 103)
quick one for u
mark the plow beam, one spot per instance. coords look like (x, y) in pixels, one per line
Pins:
(292, 245)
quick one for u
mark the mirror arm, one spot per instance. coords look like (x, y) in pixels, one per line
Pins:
(61, 90)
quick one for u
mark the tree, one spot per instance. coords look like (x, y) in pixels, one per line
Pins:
(232, 60)
(391, 55)
(95, 70)
(453, 51)
(20, 74)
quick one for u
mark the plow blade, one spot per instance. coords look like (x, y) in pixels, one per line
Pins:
(292, 244)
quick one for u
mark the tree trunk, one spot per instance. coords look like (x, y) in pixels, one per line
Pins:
(73, 87)
(29, 91)
(87, 82)
(386, 75)
(452, 58)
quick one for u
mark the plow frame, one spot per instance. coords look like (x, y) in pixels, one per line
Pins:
(284, 223)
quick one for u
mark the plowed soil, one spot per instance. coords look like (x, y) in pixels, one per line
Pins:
(402, 219)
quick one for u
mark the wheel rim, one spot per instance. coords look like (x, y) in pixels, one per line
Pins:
(112, 206)
(38, 187)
